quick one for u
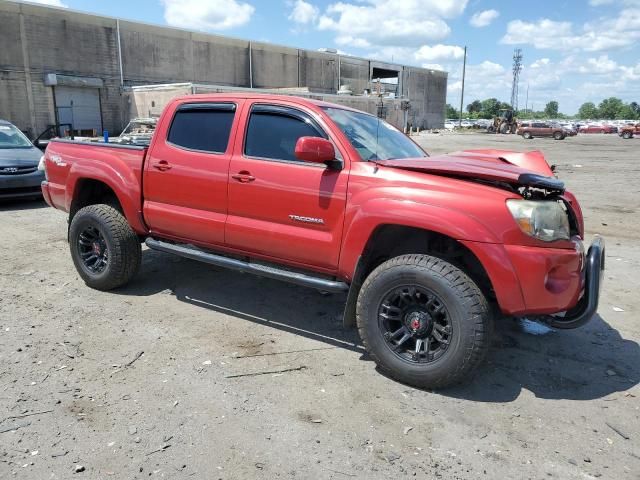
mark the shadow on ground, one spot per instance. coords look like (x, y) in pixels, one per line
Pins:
(7, 205)
(583, 364)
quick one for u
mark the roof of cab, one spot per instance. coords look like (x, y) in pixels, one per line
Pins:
(310, 102)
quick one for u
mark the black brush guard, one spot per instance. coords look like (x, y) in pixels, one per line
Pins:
(588, 304)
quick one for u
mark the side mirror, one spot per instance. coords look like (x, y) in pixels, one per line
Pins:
(315, 150)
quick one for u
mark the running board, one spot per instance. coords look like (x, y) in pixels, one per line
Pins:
(243, 266)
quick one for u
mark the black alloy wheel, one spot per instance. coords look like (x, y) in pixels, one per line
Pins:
(415, 324)
(105, 250)
(93, 249)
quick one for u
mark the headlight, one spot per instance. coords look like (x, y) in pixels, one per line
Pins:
(546, 220)
(42, 168)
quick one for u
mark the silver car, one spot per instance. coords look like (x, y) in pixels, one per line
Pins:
(19, 173)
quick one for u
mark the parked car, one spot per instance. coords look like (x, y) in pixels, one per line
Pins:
(332, 198)
(628, 131)
(19, 173)
(598, 129)
(570, 129)
(530, 130)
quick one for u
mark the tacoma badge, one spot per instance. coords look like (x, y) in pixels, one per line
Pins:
(298, 218)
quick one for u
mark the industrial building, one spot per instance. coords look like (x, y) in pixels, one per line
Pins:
(59, 66)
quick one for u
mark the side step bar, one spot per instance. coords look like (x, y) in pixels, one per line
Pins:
(243, 266)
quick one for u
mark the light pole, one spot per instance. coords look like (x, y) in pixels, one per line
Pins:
(464, 67)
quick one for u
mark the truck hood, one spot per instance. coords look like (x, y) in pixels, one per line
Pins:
(522, 168)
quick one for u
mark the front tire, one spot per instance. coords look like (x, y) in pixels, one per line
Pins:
(627, 135)
(105, 250)
(558, 136)
(423, 321)
(527, 135)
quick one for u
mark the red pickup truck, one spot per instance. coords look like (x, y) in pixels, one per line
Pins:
(335, 199)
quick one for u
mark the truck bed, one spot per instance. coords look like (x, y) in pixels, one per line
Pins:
(118, 166)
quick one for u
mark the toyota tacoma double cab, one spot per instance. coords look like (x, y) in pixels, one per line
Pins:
(427, 249)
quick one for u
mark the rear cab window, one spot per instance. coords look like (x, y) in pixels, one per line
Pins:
(203, 127)
(273, 130)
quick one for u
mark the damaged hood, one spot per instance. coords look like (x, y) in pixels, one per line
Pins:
(522, 168)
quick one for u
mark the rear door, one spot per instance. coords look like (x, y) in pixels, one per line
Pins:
(185, 179)
(281, 207)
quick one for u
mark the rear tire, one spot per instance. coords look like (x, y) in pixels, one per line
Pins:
(527, 135)
(627, 135)
(439, 306)
(105, 250)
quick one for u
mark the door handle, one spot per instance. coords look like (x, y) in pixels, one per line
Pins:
(243, 177)
(162, 165)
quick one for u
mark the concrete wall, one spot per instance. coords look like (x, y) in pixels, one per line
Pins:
(149, 101)
(36, 40)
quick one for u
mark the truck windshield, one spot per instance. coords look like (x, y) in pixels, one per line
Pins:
(11, 137)
(373, 138)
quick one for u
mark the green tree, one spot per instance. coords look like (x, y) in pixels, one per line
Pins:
(636, 109)
(551, 109)
(609, 108)
(490, 107)
(588, 110)
(626, 112)
(451, 112)
(474, 106)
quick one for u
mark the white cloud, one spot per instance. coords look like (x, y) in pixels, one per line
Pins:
(600, 65)
(207, 14)
(540, 63)
(353, 42)
(439, 52)
(53, 3)
(600, 3)
(391, 23)
(605, 34)
(484, 18)
(304, 13)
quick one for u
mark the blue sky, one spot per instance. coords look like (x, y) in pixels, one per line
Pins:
(574, 50)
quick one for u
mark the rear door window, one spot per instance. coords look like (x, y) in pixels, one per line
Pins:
(202, 126)
(273, 131)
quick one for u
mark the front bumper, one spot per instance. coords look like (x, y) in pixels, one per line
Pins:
(544, 283)
(21, 186)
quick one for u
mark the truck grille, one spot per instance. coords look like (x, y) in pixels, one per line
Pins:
(17, 170)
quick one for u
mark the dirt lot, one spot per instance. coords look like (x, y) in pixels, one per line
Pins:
(73, 390)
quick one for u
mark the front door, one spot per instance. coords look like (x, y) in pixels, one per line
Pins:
(281, 207)
(185, 179)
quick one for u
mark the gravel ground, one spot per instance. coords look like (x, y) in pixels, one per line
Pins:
(76, 392)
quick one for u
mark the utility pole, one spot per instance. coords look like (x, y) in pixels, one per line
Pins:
(464, 67)
(526, 103)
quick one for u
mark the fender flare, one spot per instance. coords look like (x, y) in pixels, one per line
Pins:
(384, 211)
(125, 186)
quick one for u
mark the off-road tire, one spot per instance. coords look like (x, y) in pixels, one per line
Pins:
(527, 135)
(467, 307)
(123, 246)
(558, 136)
(627, 135)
